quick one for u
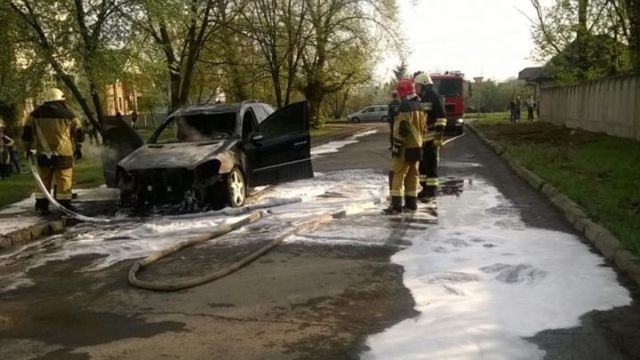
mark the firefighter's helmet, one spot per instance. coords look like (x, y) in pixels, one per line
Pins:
(424, 79)
(53, 94)
(405, 87)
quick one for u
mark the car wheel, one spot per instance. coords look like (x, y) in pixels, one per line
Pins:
(384, 119)
(236, 188)
(355, 120)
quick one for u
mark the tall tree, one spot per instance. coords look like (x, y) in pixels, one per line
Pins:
(277, 27)
(181, 28)
(400, 71)
(340, 45)
(73, 36)
(585, 39)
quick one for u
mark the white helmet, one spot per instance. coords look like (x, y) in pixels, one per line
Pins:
(424, 79)
(53, 94)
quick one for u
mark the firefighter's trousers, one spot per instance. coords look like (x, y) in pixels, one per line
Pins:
(62, 178)
(429, 169)
(405, 178)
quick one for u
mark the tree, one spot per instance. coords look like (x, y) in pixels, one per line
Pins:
(74, 37)
(400, 72)
(20, 77)
(585, 39)
(277, 27)
(340, 45)
(181, 29)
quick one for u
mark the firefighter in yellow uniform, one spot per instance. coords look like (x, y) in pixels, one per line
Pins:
(58, 136)
(436, 123)
(409, 130)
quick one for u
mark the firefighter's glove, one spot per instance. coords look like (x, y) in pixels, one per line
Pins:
(404, 129)
(437, 143)
(77, 155)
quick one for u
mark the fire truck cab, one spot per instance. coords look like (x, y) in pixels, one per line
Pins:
(453, 88)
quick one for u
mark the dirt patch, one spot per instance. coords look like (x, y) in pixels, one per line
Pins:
(538, 133)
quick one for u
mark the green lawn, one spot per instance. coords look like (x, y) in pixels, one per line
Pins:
(88, 173)
(597, 171)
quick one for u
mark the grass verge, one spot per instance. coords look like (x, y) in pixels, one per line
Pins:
(87, 173)
(597, 171)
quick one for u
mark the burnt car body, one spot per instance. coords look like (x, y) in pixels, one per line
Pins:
(211, 154)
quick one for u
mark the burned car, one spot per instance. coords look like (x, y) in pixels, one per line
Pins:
(210, 155)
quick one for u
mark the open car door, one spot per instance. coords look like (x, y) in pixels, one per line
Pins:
(280, 149)
(120, 140)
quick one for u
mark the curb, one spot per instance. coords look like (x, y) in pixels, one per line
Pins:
(33, 233)
(607, 244)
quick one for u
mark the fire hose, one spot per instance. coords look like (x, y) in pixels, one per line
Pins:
(222, 230)
(84, 218)
(66, 211)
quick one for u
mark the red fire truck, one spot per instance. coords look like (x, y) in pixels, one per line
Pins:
(452, 86)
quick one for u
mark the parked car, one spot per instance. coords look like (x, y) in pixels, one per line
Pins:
(370, 113)
(211, 154)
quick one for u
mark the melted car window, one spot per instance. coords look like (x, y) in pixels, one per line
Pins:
(203, 127)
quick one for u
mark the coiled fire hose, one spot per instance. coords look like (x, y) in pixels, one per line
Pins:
(222, 230)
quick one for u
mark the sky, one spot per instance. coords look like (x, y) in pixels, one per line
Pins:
(490, 38)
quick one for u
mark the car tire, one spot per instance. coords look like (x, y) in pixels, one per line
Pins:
(384, 119)
(235, 187)
(355, 120)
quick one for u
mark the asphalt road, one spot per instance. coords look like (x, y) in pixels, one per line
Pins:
(607, 335)
(300, 301)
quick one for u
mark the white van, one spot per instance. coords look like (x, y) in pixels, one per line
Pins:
(370, 113)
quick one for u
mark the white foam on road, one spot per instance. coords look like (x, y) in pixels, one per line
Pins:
(335, 146)
(484, 281)
(357, 192)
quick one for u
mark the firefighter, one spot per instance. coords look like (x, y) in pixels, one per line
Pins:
(436, 123)
(408, 135)
(58, 138)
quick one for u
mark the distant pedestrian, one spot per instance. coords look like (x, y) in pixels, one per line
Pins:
(512, 110)
(6, 144)
(518, 108)
(530, 109)
(134, 119)
(392, 112)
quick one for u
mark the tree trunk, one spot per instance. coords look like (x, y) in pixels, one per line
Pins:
(97, 102)
(633, 9)
(174, 90)
(581, 39)
(313, 93)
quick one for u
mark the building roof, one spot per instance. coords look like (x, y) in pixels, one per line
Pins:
(533, 74)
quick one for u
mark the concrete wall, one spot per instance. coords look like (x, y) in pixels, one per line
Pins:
(610, 106)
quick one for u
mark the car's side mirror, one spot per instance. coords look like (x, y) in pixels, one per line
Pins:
(256, 138)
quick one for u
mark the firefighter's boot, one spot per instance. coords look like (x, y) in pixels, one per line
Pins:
(42, 206)
(396, 206)
(410, 203)
(428, 193)
(66, 204)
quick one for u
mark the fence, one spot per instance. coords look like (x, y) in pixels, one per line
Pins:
(611, 106)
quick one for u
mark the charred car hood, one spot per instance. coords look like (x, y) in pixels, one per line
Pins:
(177, 155)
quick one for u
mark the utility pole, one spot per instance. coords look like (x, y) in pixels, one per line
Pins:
(478, 80)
